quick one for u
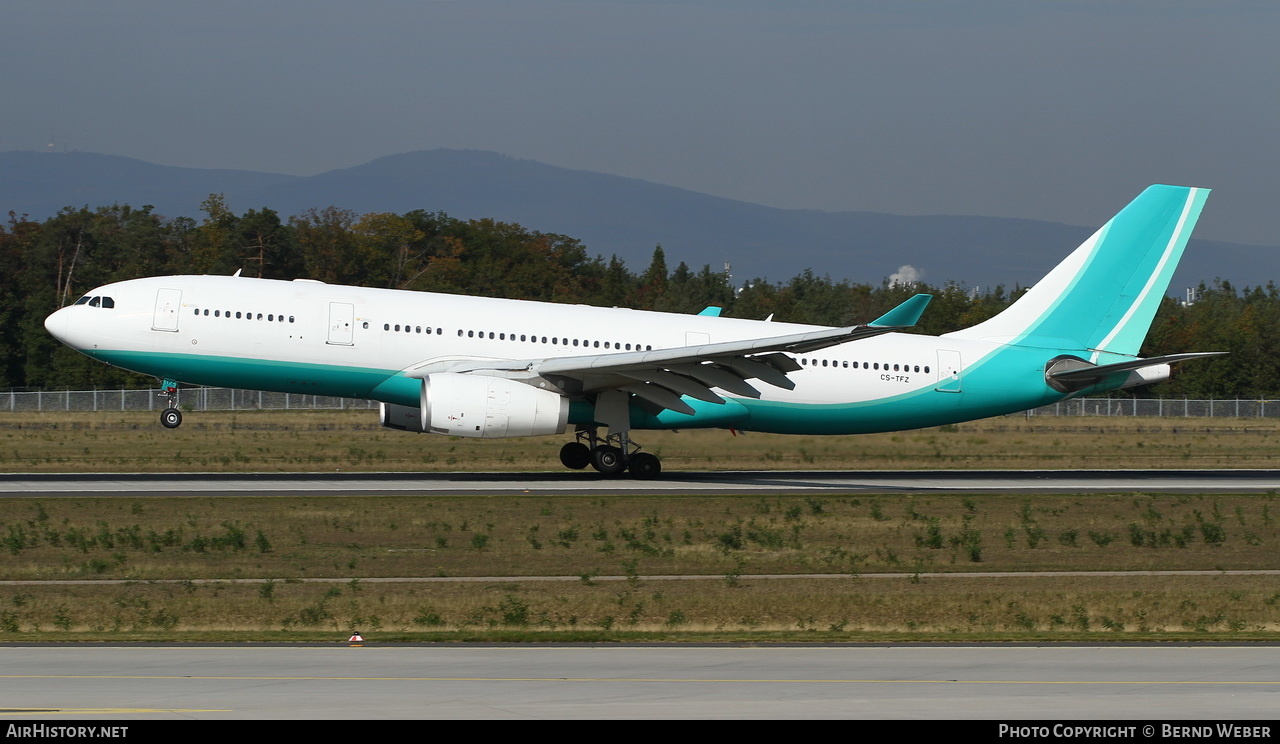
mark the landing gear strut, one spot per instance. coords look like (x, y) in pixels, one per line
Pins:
(610, 455)
(170, 417)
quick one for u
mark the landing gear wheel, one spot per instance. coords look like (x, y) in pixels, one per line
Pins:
(608, 460)
(575, 455)
(644, 466)
(171, 418)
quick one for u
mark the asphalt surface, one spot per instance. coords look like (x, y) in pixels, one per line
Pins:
(993, 683)
(794, 481)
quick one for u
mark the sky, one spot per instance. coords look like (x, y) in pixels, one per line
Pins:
(1049, 110)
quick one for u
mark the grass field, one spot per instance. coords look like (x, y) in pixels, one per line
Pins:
(857, 566)
(352, 440)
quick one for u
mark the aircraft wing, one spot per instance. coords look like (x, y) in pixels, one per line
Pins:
(661, 376)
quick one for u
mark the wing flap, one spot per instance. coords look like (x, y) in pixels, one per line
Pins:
(660, 396)
(677, 384)
(714, 376)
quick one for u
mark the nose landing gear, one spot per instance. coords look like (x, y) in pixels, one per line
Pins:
(170, 417)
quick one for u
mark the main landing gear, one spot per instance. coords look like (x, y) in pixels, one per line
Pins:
(610, 455)
(170, 417)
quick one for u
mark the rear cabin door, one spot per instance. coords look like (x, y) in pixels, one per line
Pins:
(342, 318)
(948, 371)
(168, 301)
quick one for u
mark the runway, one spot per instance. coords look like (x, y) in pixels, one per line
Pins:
(671, 483)
(992, 682)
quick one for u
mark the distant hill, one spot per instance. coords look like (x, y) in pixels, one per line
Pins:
(610, 214)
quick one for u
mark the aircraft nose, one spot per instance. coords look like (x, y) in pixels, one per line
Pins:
(56, 324)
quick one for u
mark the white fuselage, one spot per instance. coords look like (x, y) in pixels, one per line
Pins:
(305, 336)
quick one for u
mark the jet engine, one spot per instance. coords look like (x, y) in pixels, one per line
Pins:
(478, 406)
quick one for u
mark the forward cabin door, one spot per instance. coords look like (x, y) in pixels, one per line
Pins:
(342, 318)
(168, 301)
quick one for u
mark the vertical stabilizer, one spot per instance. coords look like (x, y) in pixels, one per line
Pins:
(1104, 295)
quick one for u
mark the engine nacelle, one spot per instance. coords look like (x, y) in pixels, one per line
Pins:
(478, 406)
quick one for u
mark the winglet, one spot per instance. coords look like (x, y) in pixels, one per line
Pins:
(906, 314)
(711, 310)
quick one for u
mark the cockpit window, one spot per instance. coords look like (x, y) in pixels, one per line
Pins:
(106, 302)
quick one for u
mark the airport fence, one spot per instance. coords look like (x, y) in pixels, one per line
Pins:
(192, 399)
(228, 399)
(1162, 407)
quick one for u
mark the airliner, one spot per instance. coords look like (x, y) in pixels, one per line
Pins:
(482, 367)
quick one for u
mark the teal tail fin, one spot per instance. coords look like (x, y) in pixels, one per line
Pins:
(1103, 297)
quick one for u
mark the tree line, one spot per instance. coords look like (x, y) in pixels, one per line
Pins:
(46, 265)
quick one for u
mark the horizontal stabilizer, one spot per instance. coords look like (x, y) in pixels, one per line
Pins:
(1070, 373)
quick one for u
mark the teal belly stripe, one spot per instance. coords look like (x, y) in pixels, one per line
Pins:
(264, 374)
